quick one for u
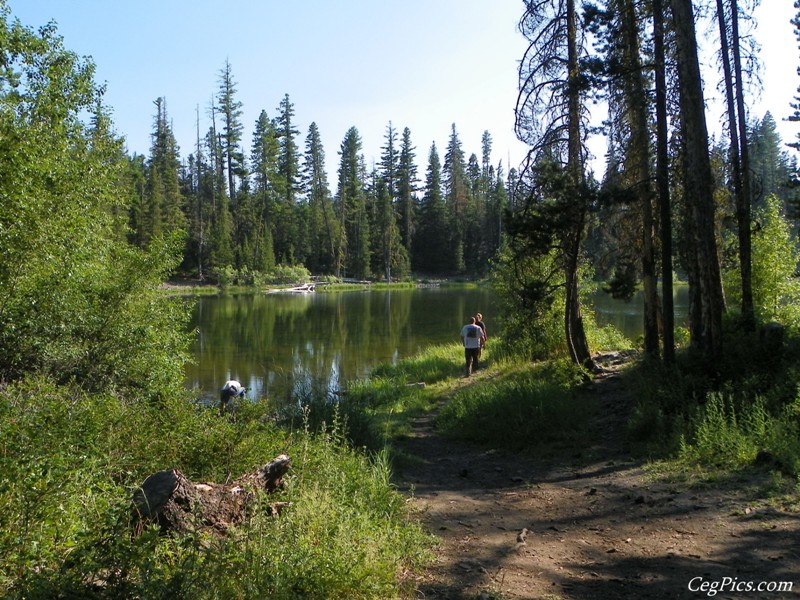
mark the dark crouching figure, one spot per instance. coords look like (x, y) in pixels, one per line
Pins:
(231, 389)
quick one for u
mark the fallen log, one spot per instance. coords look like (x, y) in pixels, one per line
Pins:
(177, 505)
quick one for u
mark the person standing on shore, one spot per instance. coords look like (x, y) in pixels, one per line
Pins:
(479, 322)
(472, 338)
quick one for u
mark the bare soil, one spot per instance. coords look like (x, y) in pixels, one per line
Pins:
(591, 523)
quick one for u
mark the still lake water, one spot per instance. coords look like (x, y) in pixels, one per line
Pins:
(278, 343)
(275, 343)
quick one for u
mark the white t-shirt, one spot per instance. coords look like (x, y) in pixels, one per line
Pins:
(232, 388)
(473, 340)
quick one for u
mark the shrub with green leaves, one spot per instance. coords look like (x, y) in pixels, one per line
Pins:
(775, 257)
(727, 435)
(530, 307)
(76, 301)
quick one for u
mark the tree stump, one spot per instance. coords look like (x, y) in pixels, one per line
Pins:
(169, 499)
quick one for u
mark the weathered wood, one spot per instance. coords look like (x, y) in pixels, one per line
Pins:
(178, 505)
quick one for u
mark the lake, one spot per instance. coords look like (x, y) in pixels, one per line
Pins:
(276, 344)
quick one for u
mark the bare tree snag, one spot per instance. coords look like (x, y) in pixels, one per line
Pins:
(178, 505)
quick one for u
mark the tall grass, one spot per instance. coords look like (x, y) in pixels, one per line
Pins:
(530, 405)
(745, 410)
(726, 435)
(71, 461)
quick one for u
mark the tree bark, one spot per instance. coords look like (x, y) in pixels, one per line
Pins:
(177, 505)
(662, 183)
(745, 201)
(698, 184)
(573, 320)
(639, 154)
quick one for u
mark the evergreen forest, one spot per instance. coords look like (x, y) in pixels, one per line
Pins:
(253, 206)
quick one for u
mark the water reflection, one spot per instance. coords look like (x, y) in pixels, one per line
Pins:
(279, 344)
(284, 345)
(628, 316)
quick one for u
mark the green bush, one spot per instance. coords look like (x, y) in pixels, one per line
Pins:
(775, 256)
(287, 274)
(725, 436)
(530, 312)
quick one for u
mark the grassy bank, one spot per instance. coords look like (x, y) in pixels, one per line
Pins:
(743, 414)
(72, 461)
(196, 288)
(510, 403)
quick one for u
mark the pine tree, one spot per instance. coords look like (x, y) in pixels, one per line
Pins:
(457, 198)
(221, 253)
(497, 205)
(551, 115)
(353, 255)
(389, 162)
(286, 183)
(772, 166)
(322, 224)
(230, 110)
(662, 178)
(407, 183)
(431, 244)
(390, 256)
(701, 260)
(165, 202)
(739, 151)
(264, 161)
(629, 175)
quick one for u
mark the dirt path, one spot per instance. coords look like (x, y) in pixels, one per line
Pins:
(572, 527)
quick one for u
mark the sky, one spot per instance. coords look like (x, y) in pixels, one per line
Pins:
(422, 64)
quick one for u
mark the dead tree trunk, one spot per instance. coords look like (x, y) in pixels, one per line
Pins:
(177, 505)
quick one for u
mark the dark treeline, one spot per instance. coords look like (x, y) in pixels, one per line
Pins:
(672, 199)
(253, 205)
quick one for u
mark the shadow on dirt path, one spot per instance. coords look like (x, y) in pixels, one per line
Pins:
(588, 525)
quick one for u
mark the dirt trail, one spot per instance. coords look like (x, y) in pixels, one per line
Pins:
(572, 527)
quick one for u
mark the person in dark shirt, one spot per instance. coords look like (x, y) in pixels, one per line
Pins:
(479, 322)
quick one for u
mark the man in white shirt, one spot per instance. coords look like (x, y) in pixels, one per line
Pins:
(231, 389)
(472, 337)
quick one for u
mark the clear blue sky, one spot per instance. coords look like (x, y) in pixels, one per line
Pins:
(421, 64)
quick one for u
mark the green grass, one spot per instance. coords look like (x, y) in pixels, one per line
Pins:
(71, 461)
(739, 418)
(525, 406)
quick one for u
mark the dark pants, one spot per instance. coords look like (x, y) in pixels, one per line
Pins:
(471, 356)
(224, 398)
